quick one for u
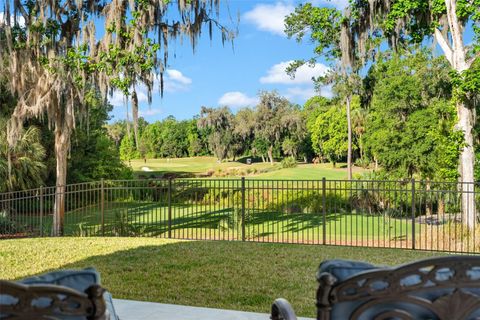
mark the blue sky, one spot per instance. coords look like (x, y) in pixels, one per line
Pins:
(217, 75)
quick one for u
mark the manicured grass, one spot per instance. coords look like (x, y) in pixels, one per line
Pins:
(222, 223)
(201, 165)
(231, 275)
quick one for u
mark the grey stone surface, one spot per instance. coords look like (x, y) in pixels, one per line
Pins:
(139, 310)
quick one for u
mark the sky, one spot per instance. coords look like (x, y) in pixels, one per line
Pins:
(221, 75)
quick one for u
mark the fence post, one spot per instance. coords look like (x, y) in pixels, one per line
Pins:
(243, 208)
(41, 211)
(324, 210)
(169, 207)
(102, 205)
(413, 214)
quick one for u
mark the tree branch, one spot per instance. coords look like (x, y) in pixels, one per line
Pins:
(472, 59)
(444, 45)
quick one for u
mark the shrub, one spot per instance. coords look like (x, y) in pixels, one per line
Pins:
(7, 226)
(289, 163)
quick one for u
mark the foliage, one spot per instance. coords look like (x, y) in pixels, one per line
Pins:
(94, 156)
(289, 162)
(7, 225)
(409, 128)
(128, 150)
(21, 166)
(329, 133)
(275, 119)
(219, 123)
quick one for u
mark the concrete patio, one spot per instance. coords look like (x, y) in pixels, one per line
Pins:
(139, 310)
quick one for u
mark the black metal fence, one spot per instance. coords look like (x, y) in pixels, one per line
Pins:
(392, 214)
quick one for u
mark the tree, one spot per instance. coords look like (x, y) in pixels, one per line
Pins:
(55, 59)
(329, 137)
(244, 126)
(116, 131)
(128, 151)
(290, 147)
(219, 123)
(272, 120)
(447, 21)
(94, 156)
(411, 117)
(332, 31)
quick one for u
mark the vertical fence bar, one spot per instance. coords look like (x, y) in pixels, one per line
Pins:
(413, 214)
(169, 207)
(102, 205)
(324, 210)
(41, 211)
(243, 208)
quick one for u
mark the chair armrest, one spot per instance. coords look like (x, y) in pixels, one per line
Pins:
(58, 302)
(282, 310)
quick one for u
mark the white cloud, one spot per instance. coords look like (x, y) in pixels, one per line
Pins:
(236, 99)
(306, 92)
(118, 99)
(177, 76)
(269, 17)
(174, 81)
(304, 74)
(149, 112)
(302, 93)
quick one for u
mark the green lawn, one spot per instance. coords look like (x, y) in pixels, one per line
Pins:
(223, 223)
(200, 165)
(231, 275)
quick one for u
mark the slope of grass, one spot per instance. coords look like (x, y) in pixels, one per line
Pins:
(231, 275)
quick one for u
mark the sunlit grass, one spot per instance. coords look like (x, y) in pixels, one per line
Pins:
(230, 275)
(203, 165)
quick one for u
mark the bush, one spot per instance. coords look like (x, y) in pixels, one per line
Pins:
(7, 226)
(289, 163)
(363, 163)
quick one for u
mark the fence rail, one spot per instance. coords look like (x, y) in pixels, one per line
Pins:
(392, 214)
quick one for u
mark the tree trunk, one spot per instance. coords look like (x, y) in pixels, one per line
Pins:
(467, 160)
(135, 118)
(263, 158)
(441, 206)
(428, 204)
(349, 126)
(62, 139)
(270, 154)
(455, 53)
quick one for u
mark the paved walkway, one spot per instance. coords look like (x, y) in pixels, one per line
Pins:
(138, 310)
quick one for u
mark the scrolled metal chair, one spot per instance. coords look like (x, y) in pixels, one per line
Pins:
(442, 288)
(22, 302)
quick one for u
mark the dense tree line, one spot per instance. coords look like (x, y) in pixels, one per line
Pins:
(274, 128)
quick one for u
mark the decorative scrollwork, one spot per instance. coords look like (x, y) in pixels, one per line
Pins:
(439, 288)
(51, 302)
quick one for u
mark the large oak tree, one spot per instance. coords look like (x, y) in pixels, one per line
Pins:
(54, 56)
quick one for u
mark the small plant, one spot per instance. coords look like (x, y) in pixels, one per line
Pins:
(289, 162)
(7, 226)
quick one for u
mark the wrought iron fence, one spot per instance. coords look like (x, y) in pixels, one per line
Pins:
(392, 214)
